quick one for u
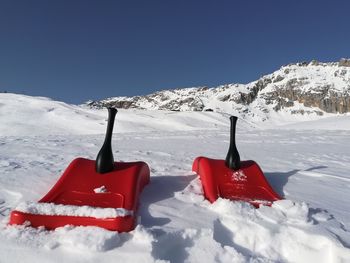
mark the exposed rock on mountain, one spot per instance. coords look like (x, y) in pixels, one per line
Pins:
(303, 88)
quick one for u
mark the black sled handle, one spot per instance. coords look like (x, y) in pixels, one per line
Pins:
(233, 160)
(104, 159)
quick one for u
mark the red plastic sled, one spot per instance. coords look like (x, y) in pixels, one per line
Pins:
(99, 184)
(246, 184)
(76, 187)
(234, 179)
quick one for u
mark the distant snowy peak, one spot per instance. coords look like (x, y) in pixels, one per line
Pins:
(322, 85)
(303, 88)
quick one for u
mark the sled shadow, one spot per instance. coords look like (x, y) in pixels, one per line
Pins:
(316, 168)
(278, 180)
(159, 189)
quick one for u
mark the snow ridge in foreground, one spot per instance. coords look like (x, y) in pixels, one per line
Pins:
(286, 232)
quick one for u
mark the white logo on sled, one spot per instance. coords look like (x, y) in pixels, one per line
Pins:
(239, 176)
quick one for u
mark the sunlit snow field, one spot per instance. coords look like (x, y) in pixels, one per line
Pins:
(307, 163)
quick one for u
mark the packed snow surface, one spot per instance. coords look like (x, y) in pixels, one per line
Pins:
(307, 164)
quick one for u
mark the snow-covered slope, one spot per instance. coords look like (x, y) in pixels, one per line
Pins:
(296, 91)
(25, 115)
(307, 165)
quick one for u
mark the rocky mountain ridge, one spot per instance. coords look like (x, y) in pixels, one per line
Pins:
(306, 88)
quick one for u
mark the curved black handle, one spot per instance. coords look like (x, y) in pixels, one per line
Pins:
(233, 160)
(104, 159)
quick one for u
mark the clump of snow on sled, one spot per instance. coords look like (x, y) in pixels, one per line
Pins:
(71, 210)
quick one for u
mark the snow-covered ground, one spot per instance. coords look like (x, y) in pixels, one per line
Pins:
(307, 163)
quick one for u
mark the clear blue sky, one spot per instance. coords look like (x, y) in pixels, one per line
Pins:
(76, 50)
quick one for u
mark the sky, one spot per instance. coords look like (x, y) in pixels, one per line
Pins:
(79, 50)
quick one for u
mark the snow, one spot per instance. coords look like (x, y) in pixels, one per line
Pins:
(71, 210)
(308, 163)
(101, 189)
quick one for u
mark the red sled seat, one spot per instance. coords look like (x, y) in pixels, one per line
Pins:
(232, 178)
(245, 184)
(76, 187)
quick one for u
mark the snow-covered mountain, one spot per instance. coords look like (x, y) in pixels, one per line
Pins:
(305, 89)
